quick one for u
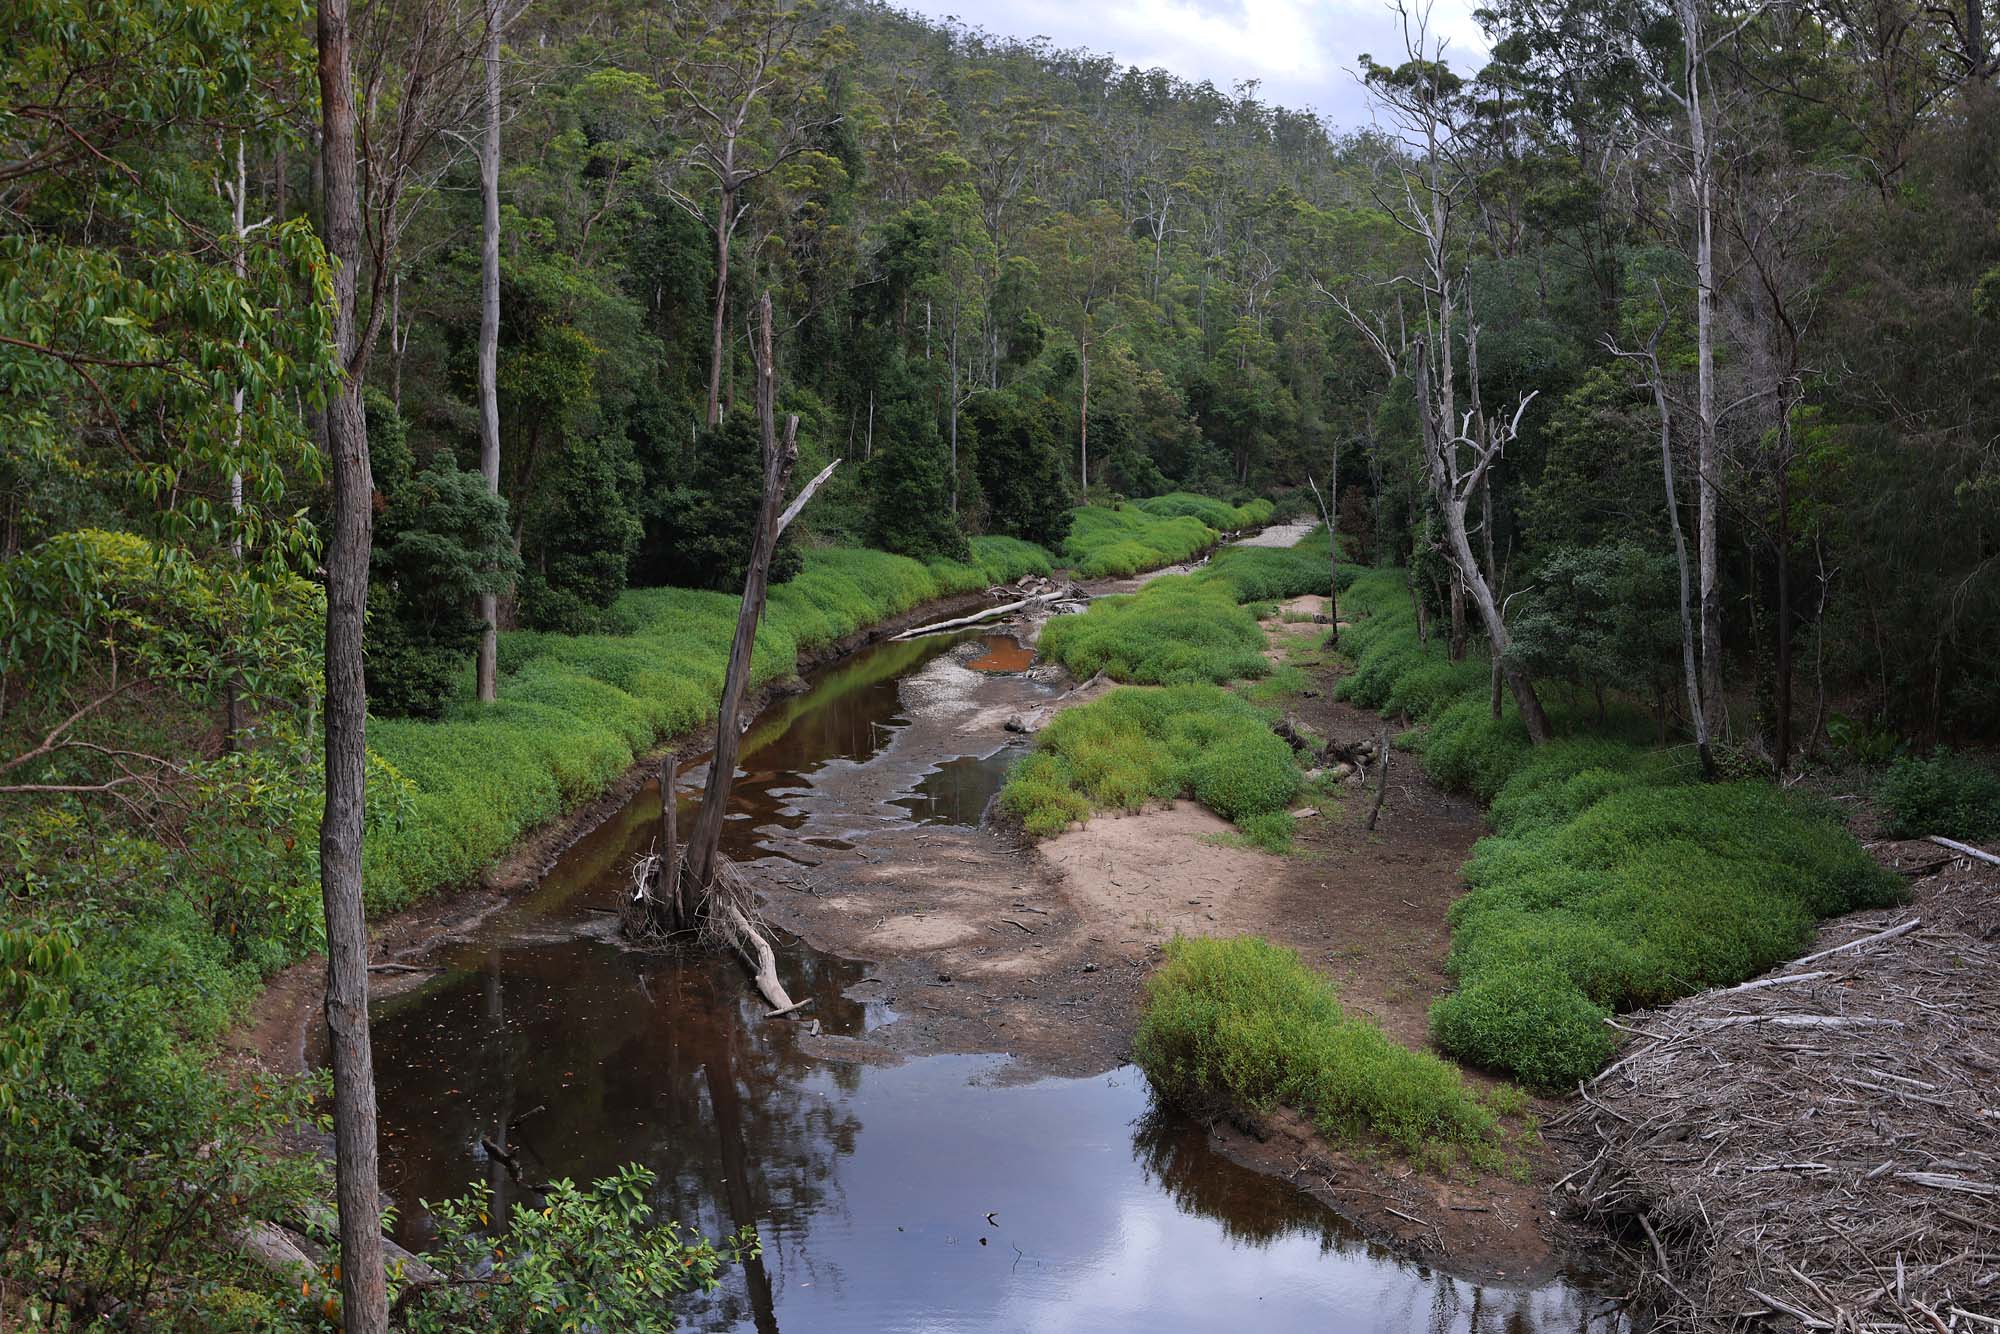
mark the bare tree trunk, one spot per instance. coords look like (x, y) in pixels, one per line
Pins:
(953, 416)
(489, 336)
(364, 1303)
(1784, 703)
(1697, 715)
(723, 227)
(1470, 580)
(1455, 647)
(1706, 478)
(778, 461)
(1083, 426)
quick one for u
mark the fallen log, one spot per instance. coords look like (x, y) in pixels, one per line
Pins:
(959, 622)
(1964, 850)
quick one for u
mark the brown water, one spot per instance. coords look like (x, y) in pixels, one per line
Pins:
(871, 1185)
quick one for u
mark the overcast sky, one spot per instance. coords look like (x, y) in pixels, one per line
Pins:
(1303, 52)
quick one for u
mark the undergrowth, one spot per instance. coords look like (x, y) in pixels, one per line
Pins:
(1217, 514)
(1118, 543)
(1244, 1023)
(1136, 746)
(1941, 793)
(1615, 878)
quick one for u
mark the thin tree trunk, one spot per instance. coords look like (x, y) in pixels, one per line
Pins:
(1083, 425)
(723, 227)
(953, 416)
(778, 461)
(1697, 715)
(364, 1303)
(1706, 479)
(1784, 692)
(489, 336)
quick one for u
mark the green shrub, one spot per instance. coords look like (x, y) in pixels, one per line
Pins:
(1175, 629)
(1941, 793)
(1615, 880)
(1137, 746)
(1527, 1020)
(1243, 1022)
(590, 1258)
(1118, 543)
(1217, 514)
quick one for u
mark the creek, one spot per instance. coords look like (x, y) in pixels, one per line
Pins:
(945, 1192)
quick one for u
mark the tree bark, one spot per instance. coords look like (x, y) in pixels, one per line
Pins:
(1706, 480)
(489, 335)
(364, 1301)
(778, 461)
(1471, 582)
(723, 227)
(1083, 426)
(1697, 715)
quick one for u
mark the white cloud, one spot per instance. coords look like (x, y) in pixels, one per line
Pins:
(1302, 52)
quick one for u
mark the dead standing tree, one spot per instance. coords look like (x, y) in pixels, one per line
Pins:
(694, 886)
(1459, 449)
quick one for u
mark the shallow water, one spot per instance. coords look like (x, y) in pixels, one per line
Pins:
(871, 1185)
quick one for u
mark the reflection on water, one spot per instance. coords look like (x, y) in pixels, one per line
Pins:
(930, 1195)
(958, 791)
(1002, 653)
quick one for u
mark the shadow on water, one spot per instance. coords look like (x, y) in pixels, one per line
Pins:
(937, 1194)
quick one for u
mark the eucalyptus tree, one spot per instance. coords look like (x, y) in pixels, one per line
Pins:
(747, 78)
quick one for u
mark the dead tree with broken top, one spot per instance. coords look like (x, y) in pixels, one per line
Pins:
(692, 886)
(1460, 448)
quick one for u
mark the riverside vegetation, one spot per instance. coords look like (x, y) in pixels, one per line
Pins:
(380, 361)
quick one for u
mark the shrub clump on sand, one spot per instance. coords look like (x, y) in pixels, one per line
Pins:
(1137, 746)
(1244, 1023)
(1175, 629)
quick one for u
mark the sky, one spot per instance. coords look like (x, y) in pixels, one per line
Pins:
(1304, 53)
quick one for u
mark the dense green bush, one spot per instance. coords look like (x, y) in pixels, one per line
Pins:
(1118, 543)
(697, 527)
(574, 710)
(1136, 746)
(1941, 793)
(1615, 879)
(1021, 470)
(1176, 628)
(1243, 1022)
(441, 541)
(1217, 514)
(1264, 574)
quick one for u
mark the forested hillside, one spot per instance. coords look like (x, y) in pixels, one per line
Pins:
(379, 384)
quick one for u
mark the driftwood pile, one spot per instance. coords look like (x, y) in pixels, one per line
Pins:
(1345, 758)
(1818, 1148)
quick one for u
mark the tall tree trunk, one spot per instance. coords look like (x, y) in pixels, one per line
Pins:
(723, 227)
(778, 460)
(1697, 715)
(489, 336)
(1470, 582)
(1784, 739)
(953, 416)
(1083, 426)
(1706, 477)
(364, 1303)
